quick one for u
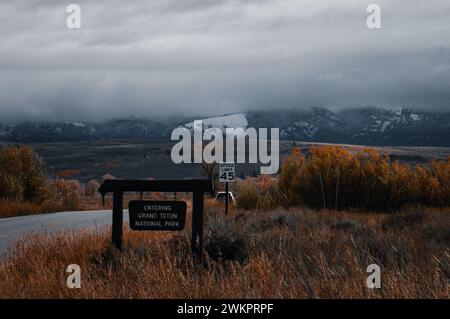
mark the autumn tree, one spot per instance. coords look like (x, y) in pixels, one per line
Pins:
(22, 175)
(338, 178)
(92, 187)
(66, 194)
(211, 170)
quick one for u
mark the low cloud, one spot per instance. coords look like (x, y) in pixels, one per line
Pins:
(158, 58)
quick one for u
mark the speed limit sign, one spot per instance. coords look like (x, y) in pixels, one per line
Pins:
(227, 173)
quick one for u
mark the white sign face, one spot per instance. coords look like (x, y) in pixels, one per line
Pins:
(227, 173)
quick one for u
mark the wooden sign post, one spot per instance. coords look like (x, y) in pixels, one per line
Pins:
(118, 187)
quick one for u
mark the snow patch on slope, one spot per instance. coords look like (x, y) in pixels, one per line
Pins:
(222, 122)
(76, 124)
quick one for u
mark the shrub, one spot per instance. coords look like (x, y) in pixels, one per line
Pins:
(92, 187)
(346, 224)
(10, 187)
(225, 242)
(10, 208)
(437, 234)
(66, 195)
(22, 175)
(65, 173)
(402, 220)
(258, 193)
(334, 177)
(280, 220)
(247, 197)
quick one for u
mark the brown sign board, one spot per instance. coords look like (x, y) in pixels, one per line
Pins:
(157, 215)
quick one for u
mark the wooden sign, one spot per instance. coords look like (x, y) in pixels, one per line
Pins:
(197, 187)
(157, 215)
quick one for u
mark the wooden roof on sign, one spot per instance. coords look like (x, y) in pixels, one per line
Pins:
(183, 185)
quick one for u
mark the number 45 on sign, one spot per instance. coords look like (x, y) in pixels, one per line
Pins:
(227, 173)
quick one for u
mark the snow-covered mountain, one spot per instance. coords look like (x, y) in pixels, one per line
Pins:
(366, 126)
(399, 126)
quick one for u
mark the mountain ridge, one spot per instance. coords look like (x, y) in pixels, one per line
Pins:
(367, 126)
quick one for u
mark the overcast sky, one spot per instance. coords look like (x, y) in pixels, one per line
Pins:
(168, 57)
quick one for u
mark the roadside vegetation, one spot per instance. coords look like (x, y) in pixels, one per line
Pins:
(25, 189)
(294, 253)
(310, 233)
(23, 184)
(331, 177)
(337, 178)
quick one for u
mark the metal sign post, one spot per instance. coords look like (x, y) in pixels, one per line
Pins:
(227, 174)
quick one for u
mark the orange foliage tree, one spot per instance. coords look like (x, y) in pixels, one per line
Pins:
(337, 178)
(22, 175)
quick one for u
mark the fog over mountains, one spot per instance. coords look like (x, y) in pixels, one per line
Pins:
(365, 126)
(167, 57)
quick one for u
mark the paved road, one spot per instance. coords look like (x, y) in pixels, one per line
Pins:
(13, 228)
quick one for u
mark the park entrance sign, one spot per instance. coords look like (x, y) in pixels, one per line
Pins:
(157, 215)
(197, 187)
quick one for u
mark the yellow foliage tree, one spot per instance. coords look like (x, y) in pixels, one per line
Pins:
(22, 175)
(339, 178)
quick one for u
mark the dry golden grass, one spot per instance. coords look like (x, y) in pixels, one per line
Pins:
(274, 254)
(10, 208)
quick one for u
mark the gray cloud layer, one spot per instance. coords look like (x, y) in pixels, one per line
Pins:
(165, 57)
